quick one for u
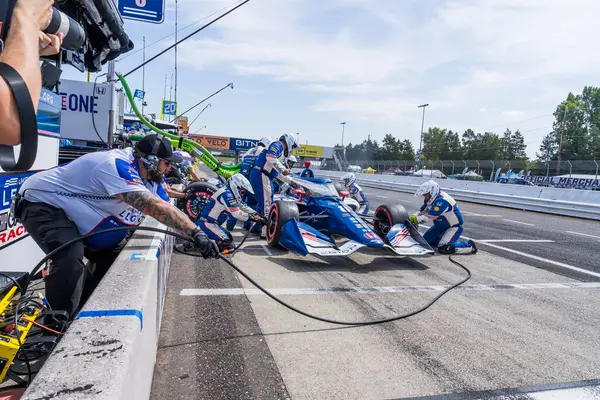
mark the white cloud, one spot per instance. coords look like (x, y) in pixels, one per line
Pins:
(457, 56)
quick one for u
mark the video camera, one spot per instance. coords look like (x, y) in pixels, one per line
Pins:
(93, 35)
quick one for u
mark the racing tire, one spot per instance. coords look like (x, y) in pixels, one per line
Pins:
(387, 216)
(202, 193)
(281, 211)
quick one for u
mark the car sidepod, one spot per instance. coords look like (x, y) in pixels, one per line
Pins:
(345, 222)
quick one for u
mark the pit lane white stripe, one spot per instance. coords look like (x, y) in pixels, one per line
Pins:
(386, 289)
(515, 241)
(517, 222)
(583, 234)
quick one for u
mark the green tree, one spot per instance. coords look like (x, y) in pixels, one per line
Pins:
(513, 146)
(477, 146)
(548, 148)
(440, 144)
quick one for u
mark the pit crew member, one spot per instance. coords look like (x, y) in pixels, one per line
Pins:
(307, 172)
(227, 202)
(264, 171)
(447, 220)
(356, 193)
(97, 191)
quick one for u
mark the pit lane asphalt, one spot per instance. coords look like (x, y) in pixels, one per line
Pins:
(502, 336)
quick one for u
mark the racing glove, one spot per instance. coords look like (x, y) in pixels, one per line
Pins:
(414, 220)
(255, 217)
(207, 247)
(190, 195)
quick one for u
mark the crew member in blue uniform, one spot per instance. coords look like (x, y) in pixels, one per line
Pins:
(356, 193)
(447, 220)
(248, 162)
(307, 172)
(226, 202)
(266, 169)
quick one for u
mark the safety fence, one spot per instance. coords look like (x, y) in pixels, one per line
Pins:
(109, 351)
(484, 168)
(566, 202)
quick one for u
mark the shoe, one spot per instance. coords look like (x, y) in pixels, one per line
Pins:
(473, 247)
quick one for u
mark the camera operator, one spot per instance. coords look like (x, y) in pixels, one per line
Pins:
(95, 192)
(25, 43)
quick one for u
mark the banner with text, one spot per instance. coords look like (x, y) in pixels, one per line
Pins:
(308, 150)
(210, 142)
(242, 144)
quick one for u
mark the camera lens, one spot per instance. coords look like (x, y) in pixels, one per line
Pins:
(74, 35)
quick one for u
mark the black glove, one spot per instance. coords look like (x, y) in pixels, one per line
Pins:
(208, 248)
(190, 195)
(258, 219)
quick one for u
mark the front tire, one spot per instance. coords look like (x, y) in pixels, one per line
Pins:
(387, 216)
(193, 207)
(280, 212)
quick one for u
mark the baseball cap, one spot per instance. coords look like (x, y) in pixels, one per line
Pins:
(165, 149)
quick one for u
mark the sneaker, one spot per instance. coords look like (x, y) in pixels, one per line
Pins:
(473, 247)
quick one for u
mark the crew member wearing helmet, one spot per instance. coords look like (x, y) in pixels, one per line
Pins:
(447, 220)
(265, 171)
(307, 172)
(291, 161)
(226, 202)
(356, 193)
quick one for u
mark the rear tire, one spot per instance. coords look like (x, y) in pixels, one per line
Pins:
(280, 212)
(387, 216)
(202, 192)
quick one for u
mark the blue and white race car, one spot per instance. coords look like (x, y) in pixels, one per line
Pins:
(314, 219)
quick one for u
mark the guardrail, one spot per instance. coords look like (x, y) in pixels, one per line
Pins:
(567, 202)
(109, 351)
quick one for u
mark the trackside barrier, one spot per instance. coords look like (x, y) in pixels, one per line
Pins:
(567, 202)
(109, 352)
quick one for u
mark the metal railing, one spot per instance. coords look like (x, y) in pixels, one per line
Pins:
(485, 168)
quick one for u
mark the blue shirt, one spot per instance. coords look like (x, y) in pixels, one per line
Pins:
(266, 160)
(444, 211)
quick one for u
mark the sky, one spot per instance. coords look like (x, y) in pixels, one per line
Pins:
(307, 65)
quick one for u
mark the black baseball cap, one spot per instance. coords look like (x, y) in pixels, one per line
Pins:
(165, 149)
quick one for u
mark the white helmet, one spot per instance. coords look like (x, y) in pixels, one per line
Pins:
(290, 141)
(265, 141)
(291, 161)
(430, 187)
(237, 182)
(348, 179)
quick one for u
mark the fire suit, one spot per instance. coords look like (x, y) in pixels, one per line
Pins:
(357, 193)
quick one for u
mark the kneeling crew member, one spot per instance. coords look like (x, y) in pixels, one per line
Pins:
(447, 220)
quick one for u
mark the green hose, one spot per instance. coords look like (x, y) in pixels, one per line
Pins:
(196, 149)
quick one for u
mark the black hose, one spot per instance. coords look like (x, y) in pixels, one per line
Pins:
(265, 291)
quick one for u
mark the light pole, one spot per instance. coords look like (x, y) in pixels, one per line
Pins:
(343, 126)
(298, 137)
(423, 106)
(200, 129)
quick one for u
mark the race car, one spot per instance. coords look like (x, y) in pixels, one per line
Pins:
(313, 218)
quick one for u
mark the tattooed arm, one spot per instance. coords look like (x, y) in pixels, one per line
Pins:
(159, 209)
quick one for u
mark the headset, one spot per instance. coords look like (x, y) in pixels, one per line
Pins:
(151, 159)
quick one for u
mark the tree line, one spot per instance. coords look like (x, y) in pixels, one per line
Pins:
(576, 119)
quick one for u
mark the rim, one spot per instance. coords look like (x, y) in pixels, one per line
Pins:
(195, 206)
(382, 221)
(273, 219)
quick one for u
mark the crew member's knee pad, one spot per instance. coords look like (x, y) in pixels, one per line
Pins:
(447, 249)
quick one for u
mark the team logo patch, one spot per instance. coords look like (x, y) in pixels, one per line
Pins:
(436, 208)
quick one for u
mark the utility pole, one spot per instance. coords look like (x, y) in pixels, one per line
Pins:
(423, 106)
(165, 92)
(343, 126)
(176, 21)
(560, 146)
(144, 73)
(171, 89)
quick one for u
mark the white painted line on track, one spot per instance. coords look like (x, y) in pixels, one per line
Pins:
(517, 222)
(470, 214)
(386, 289)
(557, 263)
(514, 241)
(381, 197)
(583, 234)
(264, 246)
